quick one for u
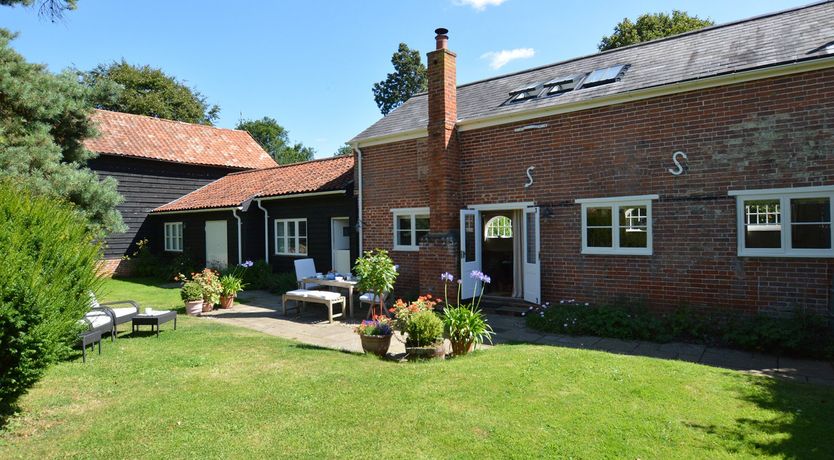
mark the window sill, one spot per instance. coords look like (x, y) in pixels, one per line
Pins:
(788, 255)
(287, 254)
(407, 248)
(172, 250)
(617, 252)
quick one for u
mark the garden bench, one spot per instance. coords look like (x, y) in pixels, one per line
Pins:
(326, 298)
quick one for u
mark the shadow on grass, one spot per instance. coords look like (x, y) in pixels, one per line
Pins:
(800, 426)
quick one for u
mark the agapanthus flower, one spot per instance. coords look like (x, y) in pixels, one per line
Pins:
(447, 277)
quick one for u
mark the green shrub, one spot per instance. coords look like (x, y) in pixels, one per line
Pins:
(282, 282)
(258, 276)
(465, 323)
(800, 335)
(424, 328)
(150, 265)
(47, 274)
(191, 291)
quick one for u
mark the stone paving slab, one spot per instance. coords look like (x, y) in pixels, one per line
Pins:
(260, 310)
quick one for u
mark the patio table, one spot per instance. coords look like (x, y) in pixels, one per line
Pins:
(344, 284)
(154, 320)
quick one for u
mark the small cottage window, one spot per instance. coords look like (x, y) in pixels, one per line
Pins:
(410, 225)
(499, 227)
(173, 236)
(617, 226)
(785, 222)
(291, 237)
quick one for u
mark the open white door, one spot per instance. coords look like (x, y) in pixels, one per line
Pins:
(470, 250)
(217, 251)
(340, 242)
(532, 263)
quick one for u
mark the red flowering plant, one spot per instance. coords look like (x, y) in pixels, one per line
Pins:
(209, 281)
(403, 311)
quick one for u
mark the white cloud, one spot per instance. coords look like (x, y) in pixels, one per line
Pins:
(498, 59)
(479, 5)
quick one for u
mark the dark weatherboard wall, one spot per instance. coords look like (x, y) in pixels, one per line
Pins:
(145, 185)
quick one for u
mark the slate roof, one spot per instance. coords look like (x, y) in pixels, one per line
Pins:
(788, 36)
(139, 136)
(233, 190)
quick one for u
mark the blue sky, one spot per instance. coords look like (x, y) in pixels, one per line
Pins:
(311, 64)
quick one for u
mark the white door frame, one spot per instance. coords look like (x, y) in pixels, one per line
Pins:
(333, 239)
(531, 262)
(470, 262)
(224, 261)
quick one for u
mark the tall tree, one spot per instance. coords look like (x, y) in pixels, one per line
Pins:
(275, 139)
(52, 9)
(44, 119)
(408, 79)
(145, 90)
(345, 150)
(652, 26)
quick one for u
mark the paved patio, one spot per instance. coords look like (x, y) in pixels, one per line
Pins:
(261, 311)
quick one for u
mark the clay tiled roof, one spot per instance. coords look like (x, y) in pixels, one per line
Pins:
(331, 174)
(139, 136)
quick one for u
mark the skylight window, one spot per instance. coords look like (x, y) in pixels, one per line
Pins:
(525, 92)
(564, 84)
(606, 75)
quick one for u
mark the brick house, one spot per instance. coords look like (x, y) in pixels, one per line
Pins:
(693, 170)
(156, 161)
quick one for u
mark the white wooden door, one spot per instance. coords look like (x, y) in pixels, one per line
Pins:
(340, 242)
(532, 261)
(470, 251)
(217, 250)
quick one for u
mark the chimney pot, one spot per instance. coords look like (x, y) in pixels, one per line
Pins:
(441, 38)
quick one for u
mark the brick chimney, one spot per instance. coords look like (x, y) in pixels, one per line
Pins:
(439, 251)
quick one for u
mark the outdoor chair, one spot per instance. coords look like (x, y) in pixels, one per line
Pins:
(305, 268)
(96, 322)
(372, 300)
(120, 312)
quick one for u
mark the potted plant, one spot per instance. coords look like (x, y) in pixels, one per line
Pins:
(464, 323)
(424, 336)
(192, 295)
(230, 285)
(377, 274)
(375, 335)
(210, 282)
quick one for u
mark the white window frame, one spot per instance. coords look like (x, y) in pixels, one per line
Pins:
(615, 203)
(287, 238)
(784, 195)
(173, 236)
(498, 228)
(413, 213)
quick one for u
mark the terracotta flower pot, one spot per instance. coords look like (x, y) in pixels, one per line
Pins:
(207, 307)
(226, 301)
(436, 351)
(375, 344)
(462, 347)
(194, 307)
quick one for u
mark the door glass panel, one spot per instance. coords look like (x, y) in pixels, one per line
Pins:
(530, 245)
(762, 224)
(469, 229)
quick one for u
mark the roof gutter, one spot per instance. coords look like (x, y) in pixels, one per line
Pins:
(301, 195)
(190, 211)
(266, 230)
(614, 99)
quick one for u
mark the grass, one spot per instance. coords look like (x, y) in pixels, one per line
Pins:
(210, 390)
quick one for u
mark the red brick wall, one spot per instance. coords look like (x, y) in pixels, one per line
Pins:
(764, 134)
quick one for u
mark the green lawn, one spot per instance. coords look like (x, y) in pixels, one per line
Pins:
(209, 390)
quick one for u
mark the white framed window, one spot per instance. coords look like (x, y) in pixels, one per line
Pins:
(793, 222)
(410, 225)
(499, 227)
(291, 237)
(173, 236)
(617, 225)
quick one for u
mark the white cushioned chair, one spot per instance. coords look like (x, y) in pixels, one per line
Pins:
(305, 268)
